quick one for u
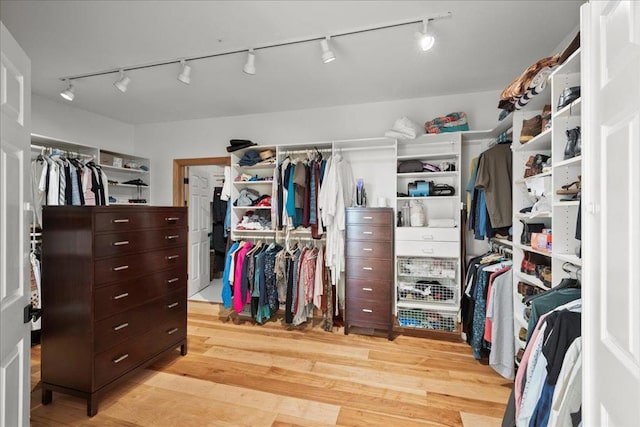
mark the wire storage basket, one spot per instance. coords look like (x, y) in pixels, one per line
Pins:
(434, 268)
(427, 319)
(439, 291)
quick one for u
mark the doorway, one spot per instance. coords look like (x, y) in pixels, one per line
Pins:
(196, 182)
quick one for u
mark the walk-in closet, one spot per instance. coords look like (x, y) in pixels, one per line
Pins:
(319, 213)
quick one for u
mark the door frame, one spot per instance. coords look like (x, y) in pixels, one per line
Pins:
(180, 167)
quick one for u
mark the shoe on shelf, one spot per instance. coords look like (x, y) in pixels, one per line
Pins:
(572, 188)
(574, 143)
(530, 128)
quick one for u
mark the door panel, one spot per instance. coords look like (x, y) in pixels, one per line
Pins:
(611, 231)
(15, 342)
(200, 196)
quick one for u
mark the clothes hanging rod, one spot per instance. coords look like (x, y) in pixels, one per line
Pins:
(260, 47)
(69, 152)
(311, 150)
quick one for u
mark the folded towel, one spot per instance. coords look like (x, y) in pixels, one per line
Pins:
(405, 128)
(452, 122)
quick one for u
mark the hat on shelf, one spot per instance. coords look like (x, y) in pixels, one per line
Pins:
(239, 144)
(250, 158)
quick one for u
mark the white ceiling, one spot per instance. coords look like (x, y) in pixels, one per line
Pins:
(483, 47)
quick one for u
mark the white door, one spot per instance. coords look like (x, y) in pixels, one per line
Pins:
(15, 335)
(611, 186)
(200, 196)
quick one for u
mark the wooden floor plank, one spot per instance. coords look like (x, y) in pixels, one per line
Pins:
(241, 373)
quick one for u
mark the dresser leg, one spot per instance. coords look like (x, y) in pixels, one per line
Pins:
(47, 396)
(92, 406)
(183, 349)
(390, 333)
(346, 328)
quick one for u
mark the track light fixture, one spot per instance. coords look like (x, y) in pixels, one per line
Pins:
(69, 92)
(327, 54)
(250, 66)
(425, 39)
(122, 82)
(185, 75)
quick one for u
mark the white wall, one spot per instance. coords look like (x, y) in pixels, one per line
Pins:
(163, 142)
(60, 120)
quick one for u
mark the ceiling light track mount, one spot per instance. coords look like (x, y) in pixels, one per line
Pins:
(249, 68)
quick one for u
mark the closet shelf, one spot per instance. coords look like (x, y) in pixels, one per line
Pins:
(532, 280)
(539, 215)
(569, 203)
(251, 183)
(577, 161)
(530, 249)
(430, 156)
(572, 110)
(571, 258)
(429, 198)
(540, 142)
(267, 166)
(251, 208)
(529, 178)
(427, 174)
(114, 168)
(129, 185)
(428, 305)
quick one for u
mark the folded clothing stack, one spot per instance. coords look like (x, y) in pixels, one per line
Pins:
(255, 157)
(452, 122)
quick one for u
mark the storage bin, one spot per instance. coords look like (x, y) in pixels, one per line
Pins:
(427, 319)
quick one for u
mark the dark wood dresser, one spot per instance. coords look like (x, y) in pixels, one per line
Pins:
(114, 294)
(369, 269)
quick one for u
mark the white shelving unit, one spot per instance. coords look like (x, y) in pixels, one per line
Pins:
(563, 216)
(122, 168)
(428, 258)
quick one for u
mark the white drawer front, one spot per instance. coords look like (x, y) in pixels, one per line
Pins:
(435, 249)
(428, 234)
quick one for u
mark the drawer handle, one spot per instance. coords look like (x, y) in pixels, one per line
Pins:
(122, 267)
(172, 305)
(367, 249)
(170, 257)
(367, 310)
(121, 326)
(174, 280)
(368, 268)
(121, 358)
(367, 289)
(367, 217)
(172, 218)
(175, 236)
(428, 251)
(120, 221)
(427, 237)
(121, 243)
(124, 295)
(172, 331)
(367, 232)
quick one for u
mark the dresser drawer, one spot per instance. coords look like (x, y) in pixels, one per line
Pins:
(369, 232)
(435, 249)
(428, 234)
(369, 269)
(109, 300)
(376, 290)
(373, 249)
(370, 216)
(117, 328)
(123, 220)
(130, 266)
(368, 311)
(135, 241)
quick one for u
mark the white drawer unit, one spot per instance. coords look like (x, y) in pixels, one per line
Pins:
(428, 264)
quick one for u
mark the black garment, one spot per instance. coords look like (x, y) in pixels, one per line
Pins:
(79, 175)
(68, 193)
(218, 239)
(280, 197)
(563, 327)
(288, 313)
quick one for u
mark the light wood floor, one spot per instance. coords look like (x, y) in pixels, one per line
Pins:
(244, 374)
